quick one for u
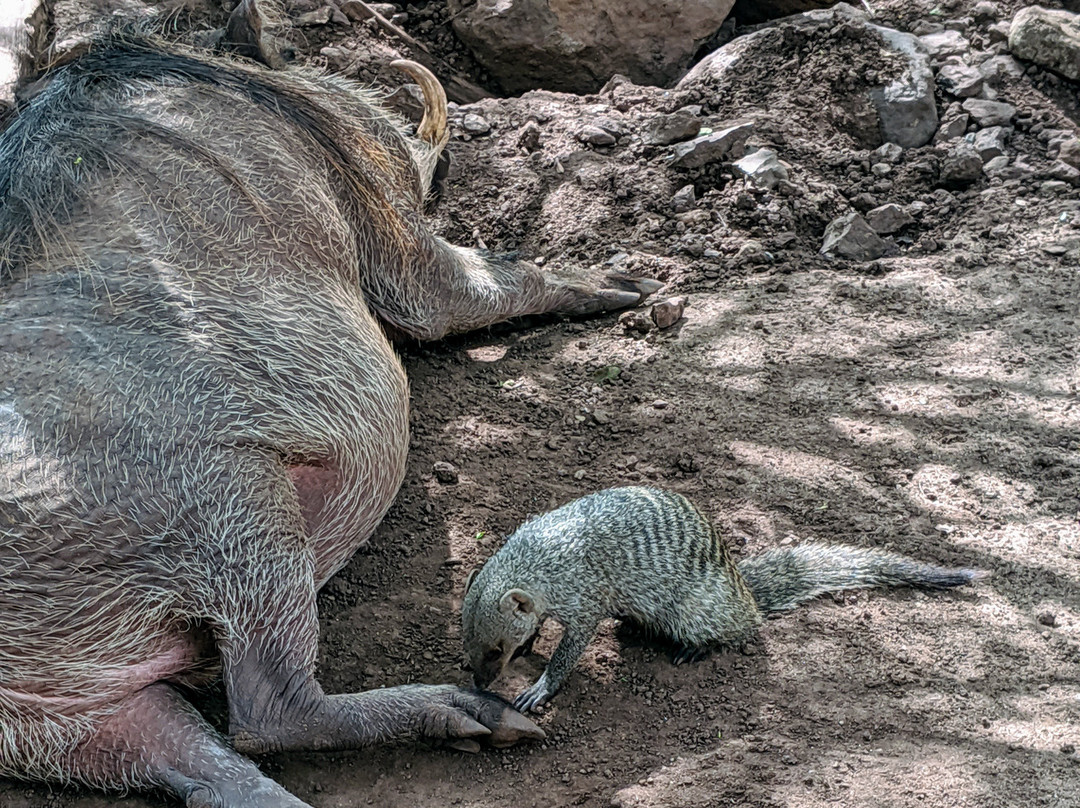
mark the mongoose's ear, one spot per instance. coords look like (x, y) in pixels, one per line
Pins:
(471, 578)
(517, 600)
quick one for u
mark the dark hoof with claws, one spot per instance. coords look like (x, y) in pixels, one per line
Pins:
(614, 292)
(513, 728)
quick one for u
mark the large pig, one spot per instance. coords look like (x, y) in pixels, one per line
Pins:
(201, 418)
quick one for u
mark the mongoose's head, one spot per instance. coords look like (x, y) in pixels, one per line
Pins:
(499, 622)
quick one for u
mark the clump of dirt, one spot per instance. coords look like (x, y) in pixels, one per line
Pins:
(925, 402)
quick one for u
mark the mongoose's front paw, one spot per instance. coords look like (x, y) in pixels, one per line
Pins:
(534, 697)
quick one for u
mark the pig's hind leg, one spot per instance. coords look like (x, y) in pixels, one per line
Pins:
(444, 289)
(157, 740)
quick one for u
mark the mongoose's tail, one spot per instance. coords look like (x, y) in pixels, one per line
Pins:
(783, 578)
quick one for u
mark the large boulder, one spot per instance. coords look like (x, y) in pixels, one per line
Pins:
(1048, 38)
(577, 45)
(899, 104)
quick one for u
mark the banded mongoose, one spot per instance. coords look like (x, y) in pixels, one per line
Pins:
(649, 555)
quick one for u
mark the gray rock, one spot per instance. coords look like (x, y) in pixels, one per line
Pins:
(997, 69)
(577, 46)
(668, 312)
(906, 108)
(320, 16)
(761, 168)
(663, 130)
(888, 219)
(996, 167)
(445, 472)
(596, 136)
(960, 80)
(888, 152)
(999, 31)
(711, 148)
(684, 199)
(473, 124)
(990, 113)
(1049, 38)
(990, 142)
(849, 236)
(984, 11)
(962, 166)
(945, 44)
(952, 128)
(529, 136)
(1064, 172)
(1069, 152)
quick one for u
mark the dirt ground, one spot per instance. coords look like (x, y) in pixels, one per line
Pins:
(924, 402)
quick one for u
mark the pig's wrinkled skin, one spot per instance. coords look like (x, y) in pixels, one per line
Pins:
(201, 418)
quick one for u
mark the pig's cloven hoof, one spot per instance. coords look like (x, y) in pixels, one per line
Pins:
(613, 292)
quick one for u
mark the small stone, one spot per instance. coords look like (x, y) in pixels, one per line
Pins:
(849, 236)
(596, 136)
(386, 10)
(999, 31)
(888, 152)
(952, 128)
(1047, 618)
(664, 130)
(990, 142)
(1048, 37)
(474, 124)
(725, 144)
(762, 168)
(864, 202)
(684, 199)
(1063, 171)
(962, 166)
(916, 209)
(601, 417)
(990, 113)
(320, 16)
(985, 10)
(1068, 748)
(635, 321)
(960, 80)
(888, 218)
(880, 169)
(445, 472)
(529, 136)
(945, 44)
(668, 312)
(997, 69)
(1053, 187)
(996, 166)
(660, 404)
(1069, 152)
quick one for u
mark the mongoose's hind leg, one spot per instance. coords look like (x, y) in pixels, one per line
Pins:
(158, 740)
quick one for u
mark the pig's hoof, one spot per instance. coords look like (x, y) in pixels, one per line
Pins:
(614, 292)
(513, 728)
(477, 716)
